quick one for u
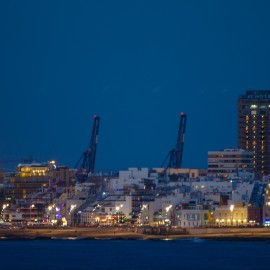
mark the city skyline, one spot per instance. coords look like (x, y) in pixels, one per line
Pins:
(62, 65)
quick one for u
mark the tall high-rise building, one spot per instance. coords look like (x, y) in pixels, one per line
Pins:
(254, 128)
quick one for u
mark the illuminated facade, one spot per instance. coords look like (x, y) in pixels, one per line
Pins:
(231, 215)
(254, 128)
(27, 180)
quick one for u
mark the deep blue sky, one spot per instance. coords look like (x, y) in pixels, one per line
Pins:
(137, 64)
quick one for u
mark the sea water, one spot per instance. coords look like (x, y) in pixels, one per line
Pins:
(134, 254)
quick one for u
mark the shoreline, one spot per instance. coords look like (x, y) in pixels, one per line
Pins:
(109, 234)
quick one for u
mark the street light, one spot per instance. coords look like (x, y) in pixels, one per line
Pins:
(167, 209)
(31, 206)
(4, 207)
(117, 208)
(231, 209)
(144, 215)
(50, 209)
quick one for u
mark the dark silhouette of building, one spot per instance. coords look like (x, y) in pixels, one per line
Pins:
(254, 128)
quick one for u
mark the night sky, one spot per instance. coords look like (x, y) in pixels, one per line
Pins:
(136, 64)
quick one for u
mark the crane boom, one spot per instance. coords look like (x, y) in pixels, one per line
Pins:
(180, 140)
(88, 157)
(175, 156)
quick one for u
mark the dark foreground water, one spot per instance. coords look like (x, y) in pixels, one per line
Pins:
(134, 254)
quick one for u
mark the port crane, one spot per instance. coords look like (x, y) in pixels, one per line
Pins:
(86, 163)
(174, 157)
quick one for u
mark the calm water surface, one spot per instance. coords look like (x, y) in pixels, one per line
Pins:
(134, 254)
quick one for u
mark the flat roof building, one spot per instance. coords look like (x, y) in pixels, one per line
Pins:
(28, 179)
(254, 128)
(222, 163)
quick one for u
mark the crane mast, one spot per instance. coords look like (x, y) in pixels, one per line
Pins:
(176, 154)
(88, 157)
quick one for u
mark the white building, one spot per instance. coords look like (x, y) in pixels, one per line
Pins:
(168, 205)
(134, 173)
(192, 216)
(211, 186)
(106, 209)
(148, 210)
(131, 177)
(242, 192)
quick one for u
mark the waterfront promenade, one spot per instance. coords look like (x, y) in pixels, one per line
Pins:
(120, 233)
